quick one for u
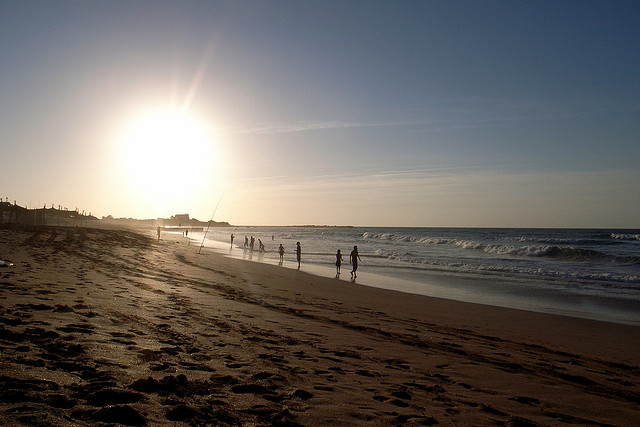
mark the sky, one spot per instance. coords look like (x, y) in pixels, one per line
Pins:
(370, 113)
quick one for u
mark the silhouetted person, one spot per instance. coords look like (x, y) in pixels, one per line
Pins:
(353, 260)
(246, 242)
(338, 262)
(281, 252)
(298, 253)
(261, 246)
(232, 237)
(158, 233)
(252, 243)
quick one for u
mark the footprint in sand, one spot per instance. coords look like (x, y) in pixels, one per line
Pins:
(196, 366)
(526, 400)
(81, 328)
(398, 364)
(181, 413)
(400, 403)
(366, 373)
(263, 375)
(149, 355)
(302, 394)
(118, 414)
(235, 365)
(156, 367)
(402, 394)
(251, 389)
(113, 397)
(60, 401)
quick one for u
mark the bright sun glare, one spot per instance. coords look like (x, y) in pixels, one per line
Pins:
(169, 155)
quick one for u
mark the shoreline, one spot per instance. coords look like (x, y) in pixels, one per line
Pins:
(448, 286)
(104, 326)
(359, 290)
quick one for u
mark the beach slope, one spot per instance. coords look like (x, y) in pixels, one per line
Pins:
(111, 326)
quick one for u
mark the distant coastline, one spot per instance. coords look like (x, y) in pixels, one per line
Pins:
(12, 213)
(295, 226)
(173, 221)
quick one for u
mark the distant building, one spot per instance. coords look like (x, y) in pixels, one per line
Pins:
(14, 214)
(179, 219)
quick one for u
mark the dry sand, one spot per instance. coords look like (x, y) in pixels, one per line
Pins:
(104, 327)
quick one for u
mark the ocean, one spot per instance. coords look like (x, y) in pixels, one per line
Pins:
(586, 273)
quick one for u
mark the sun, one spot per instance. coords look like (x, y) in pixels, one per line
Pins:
(169, 155)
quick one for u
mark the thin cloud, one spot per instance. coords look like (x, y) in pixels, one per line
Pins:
(312, 126)
(358, 179)
(446, 114)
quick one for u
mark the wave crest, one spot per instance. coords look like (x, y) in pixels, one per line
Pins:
(625, 236)
(404, 238)
(518, 246)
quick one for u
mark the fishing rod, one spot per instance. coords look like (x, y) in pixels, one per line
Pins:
(209, 224)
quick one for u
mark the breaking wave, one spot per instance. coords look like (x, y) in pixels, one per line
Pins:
(558, 252)
(624, 236)
(405, 238)
(414, 262)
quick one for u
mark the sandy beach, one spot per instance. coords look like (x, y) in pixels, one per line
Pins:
(105, 327)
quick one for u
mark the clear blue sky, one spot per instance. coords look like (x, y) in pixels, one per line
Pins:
(407, 113)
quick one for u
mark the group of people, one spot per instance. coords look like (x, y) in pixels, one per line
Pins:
(354, 257)
(298, 253)
(250, 244)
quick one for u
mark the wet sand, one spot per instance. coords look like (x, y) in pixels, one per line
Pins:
(105, 326)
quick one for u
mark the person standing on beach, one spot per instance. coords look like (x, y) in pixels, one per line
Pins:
(281, 252)
(298, 253)
(232, 236)
(353, 260)
(338, 262)
(252, 243)
(246, 242)
(158, 233)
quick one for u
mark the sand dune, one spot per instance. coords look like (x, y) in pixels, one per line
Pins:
(110, 326)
